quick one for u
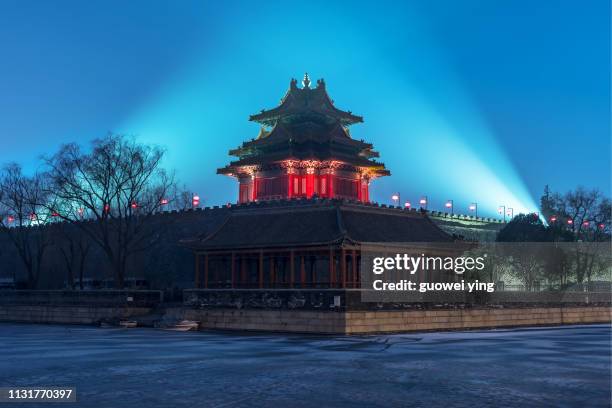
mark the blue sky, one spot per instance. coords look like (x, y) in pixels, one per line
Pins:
(468, 100)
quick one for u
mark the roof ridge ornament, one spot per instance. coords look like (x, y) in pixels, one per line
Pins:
(306, 81)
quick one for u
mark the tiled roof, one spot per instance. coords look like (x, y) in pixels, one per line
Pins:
(298, 101)
(317, 222)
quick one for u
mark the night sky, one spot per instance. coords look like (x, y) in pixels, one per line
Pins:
(483, 101)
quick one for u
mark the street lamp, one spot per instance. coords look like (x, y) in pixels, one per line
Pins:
(501, 210)
(449, 204)
(423, 202)
(407, 205)
(474, 207)
(396, 198)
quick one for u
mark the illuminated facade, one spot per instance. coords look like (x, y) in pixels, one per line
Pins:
(304, 150)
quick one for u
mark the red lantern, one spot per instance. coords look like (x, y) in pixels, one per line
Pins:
(195, 201)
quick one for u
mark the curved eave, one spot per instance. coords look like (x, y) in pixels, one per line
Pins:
(294, 94)
(271, 117)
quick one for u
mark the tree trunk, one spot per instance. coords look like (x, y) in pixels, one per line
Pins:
(81, 269)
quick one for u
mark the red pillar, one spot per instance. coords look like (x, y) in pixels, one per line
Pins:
(243, 268)
(302, 271)
(343, 265)
(365, 194)
(197, 270)
(291, 268)
(332, 272)
(255, 188)
(330, 185)
(206, 271)
(310, 178)
(354, 267)
(233, 279)
(260, 271)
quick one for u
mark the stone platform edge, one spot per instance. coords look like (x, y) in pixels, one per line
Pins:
(372, 322)
(67, 314)
(322, 322)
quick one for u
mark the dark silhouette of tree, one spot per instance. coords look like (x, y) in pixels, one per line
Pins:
(582, 216)
(547, 203)
(520, 250)
(110, 193)
(23, 215)
(74, 247)
(523, 228)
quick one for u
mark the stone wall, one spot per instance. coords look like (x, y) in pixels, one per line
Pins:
(358, 322)
(398, 321)
(330, 322)
(67, 314)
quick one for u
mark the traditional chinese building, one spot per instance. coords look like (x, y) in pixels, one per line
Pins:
(304, 216)
(304, 149)
(314, 243)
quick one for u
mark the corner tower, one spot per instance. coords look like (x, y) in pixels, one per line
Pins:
(304, 149)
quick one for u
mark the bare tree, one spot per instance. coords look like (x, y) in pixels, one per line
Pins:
(586, 215)
(74, 247)
(23, 215)
(110, 193)
(525, 261)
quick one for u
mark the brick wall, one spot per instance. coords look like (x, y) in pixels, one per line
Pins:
(321, 322)
(390, 321)
(398, 321)
(66, 314)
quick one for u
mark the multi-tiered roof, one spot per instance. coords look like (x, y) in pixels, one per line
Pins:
(305, 126)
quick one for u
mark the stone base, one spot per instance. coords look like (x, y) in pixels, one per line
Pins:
(358, 322)
(329, 322)
(67, 314)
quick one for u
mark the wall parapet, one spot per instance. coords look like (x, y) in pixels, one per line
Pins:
(141, 298)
